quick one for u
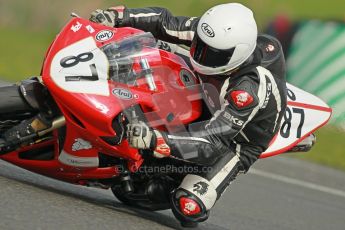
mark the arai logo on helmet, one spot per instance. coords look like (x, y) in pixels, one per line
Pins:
(207, 30)
(104, 35)
(123, 93)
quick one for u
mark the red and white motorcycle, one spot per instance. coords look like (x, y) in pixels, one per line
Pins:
(100, 78)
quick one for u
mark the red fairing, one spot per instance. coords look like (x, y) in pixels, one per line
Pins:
(77, 72)
(53, 167)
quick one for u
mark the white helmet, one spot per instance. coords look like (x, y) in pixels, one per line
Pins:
(225, 38)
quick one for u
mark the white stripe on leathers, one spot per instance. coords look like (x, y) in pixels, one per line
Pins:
(172, 137)
(183, 35)
(143, 15)
(275, 91)
(224, 172)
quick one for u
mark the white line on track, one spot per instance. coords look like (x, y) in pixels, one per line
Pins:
(300, 183)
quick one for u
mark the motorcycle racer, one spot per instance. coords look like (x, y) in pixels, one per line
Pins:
(244, 89)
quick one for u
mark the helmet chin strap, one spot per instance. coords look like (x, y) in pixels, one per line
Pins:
(248, 61)
(226, 74)
(233, 70)
(245, 63)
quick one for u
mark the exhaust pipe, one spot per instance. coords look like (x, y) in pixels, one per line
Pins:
(57, 123)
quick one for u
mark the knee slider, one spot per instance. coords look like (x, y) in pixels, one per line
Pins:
(192, 201)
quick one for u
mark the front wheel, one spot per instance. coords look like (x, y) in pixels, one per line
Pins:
(152, 195)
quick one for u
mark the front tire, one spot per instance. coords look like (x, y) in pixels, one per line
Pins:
(138, 200)
(150, 194)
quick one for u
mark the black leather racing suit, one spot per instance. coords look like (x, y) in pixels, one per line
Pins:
(245, 108)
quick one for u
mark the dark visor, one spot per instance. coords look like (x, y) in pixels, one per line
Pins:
(208, 56)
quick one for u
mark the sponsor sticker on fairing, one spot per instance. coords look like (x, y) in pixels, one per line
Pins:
(81, 144)
(75, 28)
(104, 35)
(90, 29)
(122, 93)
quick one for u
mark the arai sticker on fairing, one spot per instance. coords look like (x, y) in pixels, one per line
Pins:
(104, 35)
(81, 68)
(122, 93)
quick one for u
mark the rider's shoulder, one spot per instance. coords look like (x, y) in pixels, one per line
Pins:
(271, 49)
(246, 80)
(242, 93)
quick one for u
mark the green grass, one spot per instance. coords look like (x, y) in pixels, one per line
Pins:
(22, 52)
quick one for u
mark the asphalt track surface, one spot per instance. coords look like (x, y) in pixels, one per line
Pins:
(278, 193)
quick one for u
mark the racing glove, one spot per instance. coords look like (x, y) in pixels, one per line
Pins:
(111, 17)
(141, 136)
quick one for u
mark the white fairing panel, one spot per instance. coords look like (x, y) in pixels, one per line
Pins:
(81, 60)
(305, 113)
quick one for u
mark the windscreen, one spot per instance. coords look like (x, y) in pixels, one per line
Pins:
(126, 57)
